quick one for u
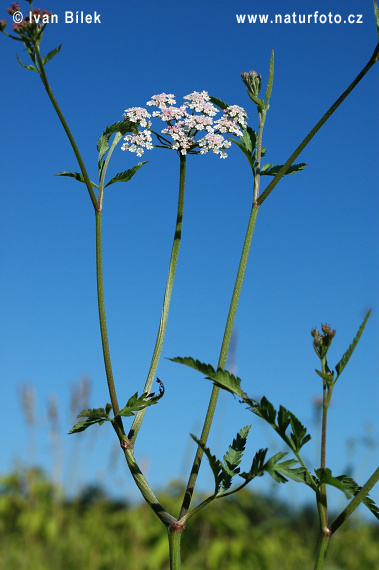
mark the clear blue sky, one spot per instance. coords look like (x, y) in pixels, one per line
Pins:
(314, 256)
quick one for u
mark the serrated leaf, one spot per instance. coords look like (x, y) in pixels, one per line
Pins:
(279, 471)
(122, 127)
(233, 456)
(346, 357)
(220, 104)
(51, 54)
(257, 467)
(269, 170)
(29, 67)
(265, 410)
(348, 486)
(135, 403)
(126, 175)
(77, 176)
(91, 417)
(214, 463)
(221, 378)
(283, 420)
(270, 79)
(299, 434)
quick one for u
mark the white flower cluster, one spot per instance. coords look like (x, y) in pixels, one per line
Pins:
(183, 125)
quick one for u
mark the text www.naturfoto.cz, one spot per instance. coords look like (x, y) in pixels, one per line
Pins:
(294, 18)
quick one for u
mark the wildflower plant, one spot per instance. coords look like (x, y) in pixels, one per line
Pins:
(203, 124)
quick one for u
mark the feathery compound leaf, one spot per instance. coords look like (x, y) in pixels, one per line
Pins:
(257, 467)
(269, 170)
(91, 417)
(280, 471)
(247, 144)
(221, 378)
(299, 434)
(29, 67)
(122, 127)
(77, 175)
(297, 438)
(214, 463)
(348, 486)
(51, 54)
(233, 456)
(135, 403)
(266, 411)
(346, 357)
(220, 104)
(126, 175)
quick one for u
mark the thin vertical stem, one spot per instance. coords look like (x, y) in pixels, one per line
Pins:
(229, 323)
(222, 360)
(102, 318)
(166, 301)
(66, 128)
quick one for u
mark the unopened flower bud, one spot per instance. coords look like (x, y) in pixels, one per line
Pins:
(13, 9)
(3, 24)
(252, 80)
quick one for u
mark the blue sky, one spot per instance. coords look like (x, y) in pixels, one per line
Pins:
(314, 256)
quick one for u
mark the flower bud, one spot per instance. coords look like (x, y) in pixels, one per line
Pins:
(13, 9)
(3, 24)
(252, 80)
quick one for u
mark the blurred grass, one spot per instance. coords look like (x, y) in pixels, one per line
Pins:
(40, 529)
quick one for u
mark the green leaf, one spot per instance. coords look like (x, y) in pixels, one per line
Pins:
(135, 403)
(269, 170)
(247, 144)
(233, 456)
(51, 54)
(265, 410)
(220, 104)
(280, 471)
(126, 175)
(122, 127)
(299, 434)
(214, 463)
(257, 100)
(30, 67)
(348, 486)
(346, 357)
(77, 175)
(270, 79)
(221, 378)
(91, 417)
(327, 377)
(257, 467)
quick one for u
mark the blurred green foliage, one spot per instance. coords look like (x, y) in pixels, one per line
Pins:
(41, 529)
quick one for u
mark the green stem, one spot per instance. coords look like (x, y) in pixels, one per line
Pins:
(322, 548)
(355, 502)
(66, 128)
(174, 538)
(321, 496)
(166, 301)
(318, 126)
(102, 319)
(229, 324)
